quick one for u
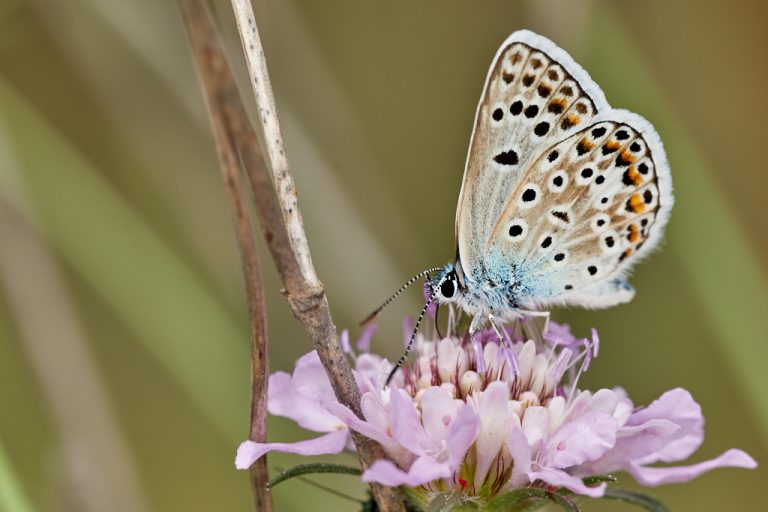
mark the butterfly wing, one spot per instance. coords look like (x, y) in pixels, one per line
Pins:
(575, 223)
(534, 93)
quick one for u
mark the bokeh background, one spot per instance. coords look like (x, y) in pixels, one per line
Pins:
(123, 335)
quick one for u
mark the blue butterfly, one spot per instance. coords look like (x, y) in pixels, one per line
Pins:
(561, 195)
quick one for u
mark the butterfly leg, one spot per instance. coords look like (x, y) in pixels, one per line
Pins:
(537, 323)
(506, 345)
(474, 326)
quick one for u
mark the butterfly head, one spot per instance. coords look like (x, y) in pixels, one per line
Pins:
(448, 284)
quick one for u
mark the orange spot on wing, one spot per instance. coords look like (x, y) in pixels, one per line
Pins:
(635, 176)
(634, 233)
(574, 119)
(627, 156)
(612, 145)
(636, 204)
(584, 146)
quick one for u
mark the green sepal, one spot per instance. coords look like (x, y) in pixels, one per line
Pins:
(529, 499)
(636, 498)
(451, 501)
(594, 480)
(306, 469)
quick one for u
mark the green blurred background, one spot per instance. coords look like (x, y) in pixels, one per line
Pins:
(123, 338)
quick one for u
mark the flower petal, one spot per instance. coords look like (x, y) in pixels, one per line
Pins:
(405, 424)
(584, 439)
(364, 341)
(668, 430)
(422, 470)
(677, 406)
(535, 424)
(494, 427)
(366, 428)
(285, 400)
(656, 476)
(560, 478)
(249, 452)
(378, 434)
(438, 410)
(464, 431)
(310, 378)
(521, 456)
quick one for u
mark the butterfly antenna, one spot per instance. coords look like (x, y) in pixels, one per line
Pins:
(398, 292)
(413, 334)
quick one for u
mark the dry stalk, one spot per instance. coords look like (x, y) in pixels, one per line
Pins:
(221, 93)
(285, 235)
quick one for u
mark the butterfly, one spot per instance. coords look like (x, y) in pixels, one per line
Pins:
(562, 194)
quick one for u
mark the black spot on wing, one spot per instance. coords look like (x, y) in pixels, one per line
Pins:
(506, 158)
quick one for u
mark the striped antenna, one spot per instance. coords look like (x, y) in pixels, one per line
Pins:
(398, 292)
(415, 331)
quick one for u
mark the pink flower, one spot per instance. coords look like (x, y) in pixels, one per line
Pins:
(448, 426)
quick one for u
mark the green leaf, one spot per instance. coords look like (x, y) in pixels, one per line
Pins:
(564, 502)
(592, 481)
(528, 499)
(306, 469)
(636, 498)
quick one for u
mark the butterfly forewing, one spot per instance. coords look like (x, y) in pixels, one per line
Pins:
(533, 96)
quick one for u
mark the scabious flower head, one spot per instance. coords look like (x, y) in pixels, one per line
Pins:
(486, 417)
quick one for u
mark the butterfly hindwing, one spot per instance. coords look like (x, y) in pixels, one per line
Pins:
(534, 94)
(574, 224)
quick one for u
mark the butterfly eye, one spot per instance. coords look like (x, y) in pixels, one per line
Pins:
(448, 288)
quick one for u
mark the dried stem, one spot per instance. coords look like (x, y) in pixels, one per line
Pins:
(221, 94)
(288, 243)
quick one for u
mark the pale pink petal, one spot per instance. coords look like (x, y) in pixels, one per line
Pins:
(604, 400)
(463, 432)
(581, 440)
(364, 341)
(652, 427)
(560, 478)
(521, 456)
(679, 407)
(344, 340)
(285, 400)
(366, 428)
(405, 424)
(665, 475)
(371, 372)
(494, 427)
(438, 410)
(423, 470)
(374, 410)
(310, 379)
(535, 424)
(378, 434)
(249, 452)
